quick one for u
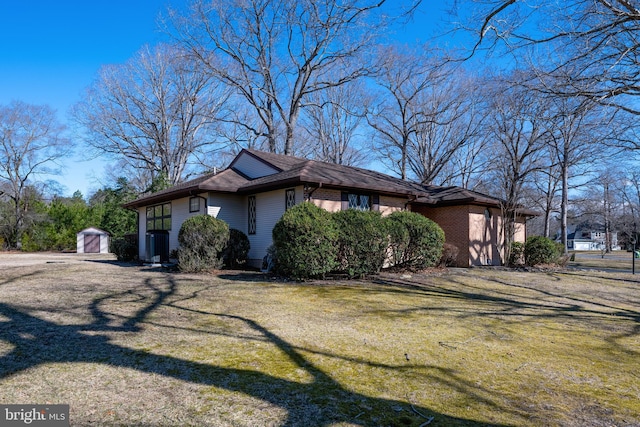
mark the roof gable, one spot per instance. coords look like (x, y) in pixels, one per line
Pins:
(252, 166)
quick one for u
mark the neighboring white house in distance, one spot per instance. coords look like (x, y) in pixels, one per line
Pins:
(591, 240)
(92, 241)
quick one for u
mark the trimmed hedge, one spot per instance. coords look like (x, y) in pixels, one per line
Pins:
(310, 242)
(123, 249)
(202, 239)
(416, 242)
(362, 242)
(237, 249)
(540, 250)
(516, 257)
(304, 240)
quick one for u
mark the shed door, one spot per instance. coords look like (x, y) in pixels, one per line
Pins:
(92, 243)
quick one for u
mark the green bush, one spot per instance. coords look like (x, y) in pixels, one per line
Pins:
(362, 242)
(123, 249)
(416, 242)
(516, 257)
(202, 239)
(540, 250)
(304, 240)
(237, 250)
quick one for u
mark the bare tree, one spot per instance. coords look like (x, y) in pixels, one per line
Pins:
(577, 130)
(397, 117)
(275, 53)
(157, 112)
(543, 190)
(450, 119)
(519, 130)
(594, 41)
(602, 201)
(629, 189)
(333, 123)
(31, 142)
(468, 166)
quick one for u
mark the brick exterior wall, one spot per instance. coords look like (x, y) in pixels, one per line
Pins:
(330, 200)
(389, 205)
(454, 221)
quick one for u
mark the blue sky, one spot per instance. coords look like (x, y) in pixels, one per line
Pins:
(51, 50)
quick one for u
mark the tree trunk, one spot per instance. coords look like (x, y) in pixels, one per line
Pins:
(564, 206)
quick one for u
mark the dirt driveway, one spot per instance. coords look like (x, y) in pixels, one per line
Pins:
(19, 259)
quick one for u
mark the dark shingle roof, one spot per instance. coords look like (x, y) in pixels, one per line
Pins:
(227, 181)
(336, 176)
(455, 195)
(296, 171)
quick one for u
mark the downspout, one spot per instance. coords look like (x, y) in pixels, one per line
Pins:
(308, 196)
(205, 204)
(412, 198)
(200, 197)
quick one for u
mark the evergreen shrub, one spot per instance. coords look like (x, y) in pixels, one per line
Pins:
(362, 242)
(202, 239)
(540, 250)
(123, 249)
(416, 242)
(236, 252)
(516, 257)
(305, 239)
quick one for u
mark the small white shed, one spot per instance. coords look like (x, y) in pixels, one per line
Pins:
(92, 241)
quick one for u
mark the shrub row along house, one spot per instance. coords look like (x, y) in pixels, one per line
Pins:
(258, 187)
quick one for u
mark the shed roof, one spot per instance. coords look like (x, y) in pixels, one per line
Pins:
(92, 230)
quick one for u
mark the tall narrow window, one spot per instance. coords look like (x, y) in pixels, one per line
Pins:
(252, 215)
(290, 198)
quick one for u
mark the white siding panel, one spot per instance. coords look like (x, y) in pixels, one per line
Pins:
(252, 167)
(230, 208)
(104, 243)
(269, 209)
(80, 243)
(142, 232)
(179, 214)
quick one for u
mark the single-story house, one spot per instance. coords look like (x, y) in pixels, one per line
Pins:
(258, 187)
(92, 241)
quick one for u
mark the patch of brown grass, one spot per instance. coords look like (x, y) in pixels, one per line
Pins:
(128, 345)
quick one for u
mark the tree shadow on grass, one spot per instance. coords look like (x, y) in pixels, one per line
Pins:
(320, 402)
(523, 301)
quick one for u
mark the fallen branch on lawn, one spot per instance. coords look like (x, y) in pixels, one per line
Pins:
(429, 419)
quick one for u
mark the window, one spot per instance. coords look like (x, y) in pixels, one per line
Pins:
(359, 202)
(487, 214)
(290, 198)
(362, 202)
(194, 204)
(159, 217)
(252, 215)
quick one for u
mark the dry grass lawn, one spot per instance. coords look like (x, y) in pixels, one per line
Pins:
(128, 345)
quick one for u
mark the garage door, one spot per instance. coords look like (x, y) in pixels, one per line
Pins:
(92, 243)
